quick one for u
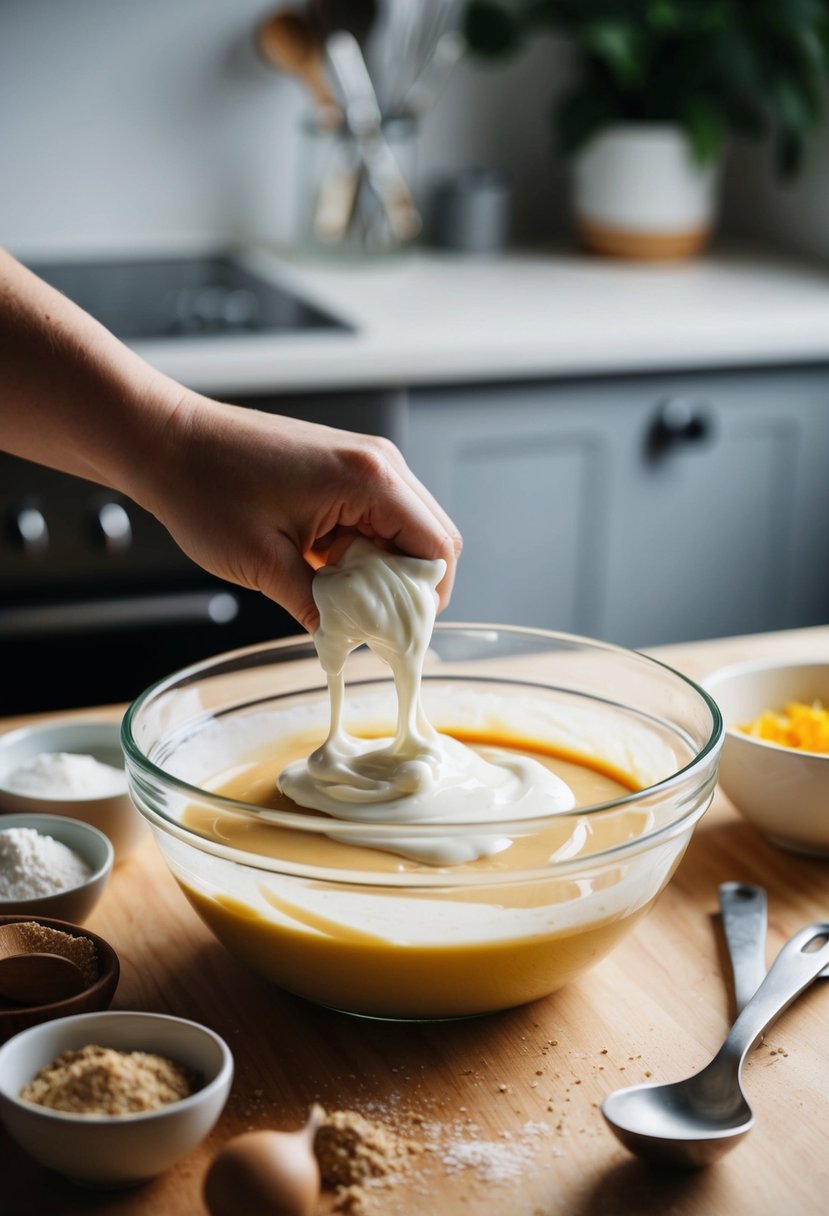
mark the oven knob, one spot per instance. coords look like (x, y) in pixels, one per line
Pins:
(113, 527)
(30, 530)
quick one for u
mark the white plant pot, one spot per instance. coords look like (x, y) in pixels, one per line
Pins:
(639, 193)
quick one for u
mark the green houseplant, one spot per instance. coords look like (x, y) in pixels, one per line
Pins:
(694, 71)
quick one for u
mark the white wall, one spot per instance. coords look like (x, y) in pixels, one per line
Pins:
(133, 123)
(128, 123)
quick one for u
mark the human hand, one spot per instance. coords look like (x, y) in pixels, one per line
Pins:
(262, 499)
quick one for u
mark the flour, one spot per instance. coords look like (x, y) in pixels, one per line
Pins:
(65, 775)
(32, 865)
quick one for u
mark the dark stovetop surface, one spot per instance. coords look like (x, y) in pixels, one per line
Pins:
(183, 297)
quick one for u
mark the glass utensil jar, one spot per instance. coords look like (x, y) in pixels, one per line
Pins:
(357, 193)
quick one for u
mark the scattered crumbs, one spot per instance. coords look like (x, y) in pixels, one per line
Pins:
(501, 1160)
(648, 1073)
(356, 1153)
(603, 1051)
(539, 1072)
(502, 1089)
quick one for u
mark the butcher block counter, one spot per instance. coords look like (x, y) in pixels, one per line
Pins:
(507, 1106)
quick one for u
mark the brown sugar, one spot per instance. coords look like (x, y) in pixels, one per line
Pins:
(43, 939)
(355, 1153)
(102, 1081)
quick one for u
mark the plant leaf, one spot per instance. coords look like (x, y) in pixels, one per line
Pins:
(490, 29)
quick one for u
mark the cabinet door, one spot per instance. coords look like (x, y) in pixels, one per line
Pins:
(525, 479)
(718, 528)
(578, 513)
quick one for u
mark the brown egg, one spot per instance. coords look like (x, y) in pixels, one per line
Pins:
(266, 1173)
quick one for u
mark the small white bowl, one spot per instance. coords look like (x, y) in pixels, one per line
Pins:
(113, 814)
(74, 903)
(114, 1150)
(783, 791)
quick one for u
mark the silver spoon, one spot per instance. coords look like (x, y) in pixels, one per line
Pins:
(744, 920)
(693, 1122)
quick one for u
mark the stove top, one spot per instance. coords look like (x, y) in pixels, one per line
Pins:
(183, 297)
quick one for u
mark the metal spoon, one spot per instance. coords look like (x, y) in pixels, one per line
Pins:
(744, 920)
(38, 978)
(364, 120)
(693, 1122)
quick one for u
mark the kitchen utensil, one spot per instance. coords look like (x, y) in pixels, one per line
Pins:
(354, 16)
(39, 978)
(364, 120)
(694, 1122)
(34, 977)
(744, 918)
(433, 75)
(96, 995)
(30, 977)
(287, 40)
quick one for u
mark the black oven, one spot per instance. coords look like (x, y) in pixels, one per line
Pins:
(96, 600)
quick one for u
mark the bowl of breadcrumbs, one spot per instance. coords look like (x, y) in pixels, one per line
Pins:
(113, 1099)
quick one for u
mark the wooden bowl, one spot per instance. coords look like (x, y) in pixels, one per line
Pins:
(98, 996)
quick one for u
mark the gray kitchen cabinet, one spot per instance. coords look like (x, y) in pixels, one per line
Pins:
(642, 509)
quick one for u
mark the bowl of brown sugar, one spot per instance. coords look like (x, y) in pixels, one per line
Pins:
(113, 1099)
(95, 957)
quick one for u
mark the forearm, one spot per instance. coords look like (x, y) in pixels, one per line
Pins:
(71, 395)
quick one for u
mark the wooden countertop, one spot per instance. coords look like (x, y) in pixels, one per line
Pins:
(526, 1083)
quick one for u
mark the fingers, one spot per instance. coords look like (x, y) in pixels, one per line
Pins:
(288, 582)
(404, 518)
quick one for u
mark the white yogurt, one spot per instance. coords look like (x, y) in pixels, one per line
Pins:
(388, 602)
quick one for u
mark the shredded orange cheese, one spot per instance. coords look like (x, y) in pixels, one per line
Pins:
(802, 726)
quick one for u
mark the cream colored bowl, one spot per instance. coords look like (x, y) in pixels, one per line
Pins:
(784, 792)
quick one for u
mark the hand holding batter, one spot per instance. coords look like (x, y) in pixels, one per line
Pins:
(255, 498)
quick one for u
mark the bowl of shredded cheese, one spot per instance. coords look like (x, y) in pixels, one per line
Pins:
(774, 765)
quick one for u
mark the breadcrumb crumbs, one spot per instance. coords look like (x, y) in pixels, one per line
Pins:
(43, 939)
(355, 1153)
(102, 1081)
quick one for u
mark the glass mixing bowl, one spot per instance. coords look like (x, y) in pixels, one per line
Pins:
(409, 939)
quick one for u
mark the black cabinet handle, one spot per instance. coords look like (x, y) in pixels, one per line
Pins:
(680, 422)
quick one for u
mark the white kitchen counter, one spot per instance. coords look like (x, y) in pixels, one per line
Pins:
(429, 318)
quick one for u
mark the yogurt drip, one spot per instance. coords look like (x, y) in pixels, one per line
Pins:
(388, 602)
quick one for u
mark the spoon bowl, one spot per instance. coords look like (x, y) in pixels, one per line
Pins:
(694, 1122)
(37, 978)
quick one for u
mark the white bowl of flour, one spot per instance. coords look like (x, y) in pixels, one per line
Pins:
(52, 866)
(75, 768)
